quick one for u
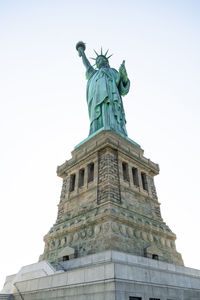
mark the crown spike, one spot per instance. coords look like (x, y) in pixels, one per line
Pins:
(92, 58)
(96, 53)
(101, 51)
(106, 52)
(109, 56)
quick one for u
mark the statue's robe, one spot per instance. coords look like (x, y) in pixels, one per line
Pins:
(105, 107)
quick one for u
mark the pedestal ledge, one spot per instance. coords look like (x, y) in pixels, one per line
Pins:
(113, 275)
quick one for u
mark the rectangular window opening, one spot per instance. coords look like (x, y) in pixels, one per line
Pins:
(72, 182)
(135, 176)
(125, 171)
(144, 181)
(155, 256)
(66, 257)
(90, 172)
(135, 298)
(154, 298)
(81, 178)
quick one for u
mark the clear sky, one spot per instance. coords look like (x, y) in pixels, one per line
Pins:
(43, 111)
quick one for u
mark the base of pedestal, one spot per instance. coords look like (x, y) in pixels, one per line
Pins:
(113, 275)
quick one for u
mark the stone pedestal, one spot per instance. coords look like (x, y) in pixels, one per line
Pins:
(109, 202)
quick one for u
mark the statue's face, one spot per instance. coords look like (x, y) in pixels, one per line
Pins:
(102, 62)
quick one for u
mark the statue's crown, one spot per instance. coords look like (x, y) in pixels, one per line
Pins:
(101, 55)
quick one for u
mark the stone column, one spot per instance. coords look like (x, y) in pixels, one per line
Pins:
(108, 176)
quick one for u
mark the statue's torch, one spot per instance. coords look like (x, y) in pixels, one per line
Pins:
(80, 47)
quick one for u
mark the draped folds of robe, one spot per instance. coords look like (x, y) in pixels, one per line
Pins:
(105, 107)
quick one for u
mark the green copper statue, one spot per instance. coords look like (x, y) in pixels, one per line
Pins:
(104, 90)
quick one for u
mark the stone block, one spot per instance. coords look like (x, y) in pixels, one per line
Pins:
(76, 276)
(95, 273)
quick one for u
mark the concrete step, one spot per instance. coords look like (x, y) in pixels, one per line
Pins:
(6, 297)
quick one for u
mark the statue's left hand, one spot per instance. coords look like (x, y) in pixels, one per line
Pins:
(123, 73)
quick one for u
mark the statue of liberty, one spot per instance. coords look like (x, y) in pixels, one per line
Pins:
(104, 90)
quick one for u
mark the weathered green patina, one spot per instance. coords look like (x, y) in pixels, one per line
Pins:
(104, 90)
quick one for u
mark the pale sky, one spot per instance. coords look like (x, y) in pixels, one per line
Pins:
(44, 115)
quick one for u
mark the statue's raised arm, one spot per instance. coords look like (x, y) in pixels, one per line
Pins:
(80, 47)
(104, 90)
